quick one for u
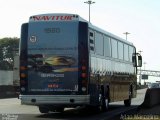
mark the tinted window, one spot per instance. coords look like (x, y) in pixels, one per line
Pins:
(91, 34)
(99, 43)
(114, 48)
(126, 57)
(131, 51)
(91, 40)
(107, 46)
(120, 50)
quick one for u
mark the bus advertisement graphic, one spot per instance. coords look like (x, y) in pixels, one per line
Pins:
(51, 62)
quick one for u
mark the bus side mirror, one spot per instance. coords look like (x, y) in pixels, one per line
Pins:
(137, 60)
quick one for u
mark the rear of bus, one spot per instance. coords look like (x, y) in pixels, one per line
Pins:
(54, 61)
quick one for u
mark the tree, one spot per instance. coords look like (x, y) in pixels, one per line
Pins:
(8, 48)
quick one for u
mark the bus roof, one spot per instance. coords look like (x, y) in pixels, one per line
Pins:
(109, 34)
(71, 17)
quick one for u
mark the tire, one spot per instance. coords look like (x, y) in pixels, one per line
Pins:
(43, 109)
(104, 105)
(92, 108)
(103, 101)
(59, 109)
(127, 102)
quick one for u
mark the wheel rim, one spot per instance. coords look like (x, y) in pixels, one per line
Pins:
(106, 102)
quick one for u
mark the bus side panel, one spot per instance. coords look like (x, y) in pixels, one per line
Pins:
(83, 58)
(84, 50)
(92, 85)
(23, 58)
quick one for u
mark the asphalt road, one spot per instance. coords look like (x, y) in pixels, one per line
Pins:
(12, 108)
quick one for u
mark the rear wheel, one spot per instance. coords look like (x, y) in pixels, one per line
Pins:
(104, 104)
(127, 102)
(103, 99)
(59, 109)
(43, 109)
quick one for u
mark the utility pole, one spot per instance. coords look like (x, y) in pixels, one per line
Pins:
(144, 64)
(140, 76)
(126, 33)
(144, 69)
(89, 2)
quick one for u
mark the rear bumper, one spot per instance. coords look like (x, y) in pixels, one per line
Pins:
(55, 99)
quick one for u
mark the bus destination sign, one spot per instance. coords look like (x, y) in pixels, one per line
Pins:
(53, 18)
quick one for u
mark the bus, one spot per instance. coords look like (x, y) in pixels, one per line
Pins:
(65, 61)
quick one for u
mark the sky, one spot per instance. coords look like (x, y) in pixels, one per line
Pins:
(141, 18)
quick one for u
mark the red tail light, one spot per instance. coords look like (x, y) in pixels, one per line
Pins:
(84, 75)
(22, 68)
(84, 68)
(22, 75)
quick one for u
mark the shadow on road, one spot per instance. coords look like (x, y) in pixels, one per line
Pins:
(76, 113)
(86, 113)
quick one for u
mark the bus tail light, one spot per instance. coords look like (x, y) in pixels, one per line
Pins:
(22, 68)
(84, 75)
(23, 78)
(84, 68)
(23, 75)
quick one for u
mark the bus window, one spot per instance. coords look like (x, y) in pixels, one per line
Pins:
(126, 57)
(131, 51)
(91, 40)
(91, 34)
(120, 50)
(114, 48)
(99, 43)
(107, 46)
